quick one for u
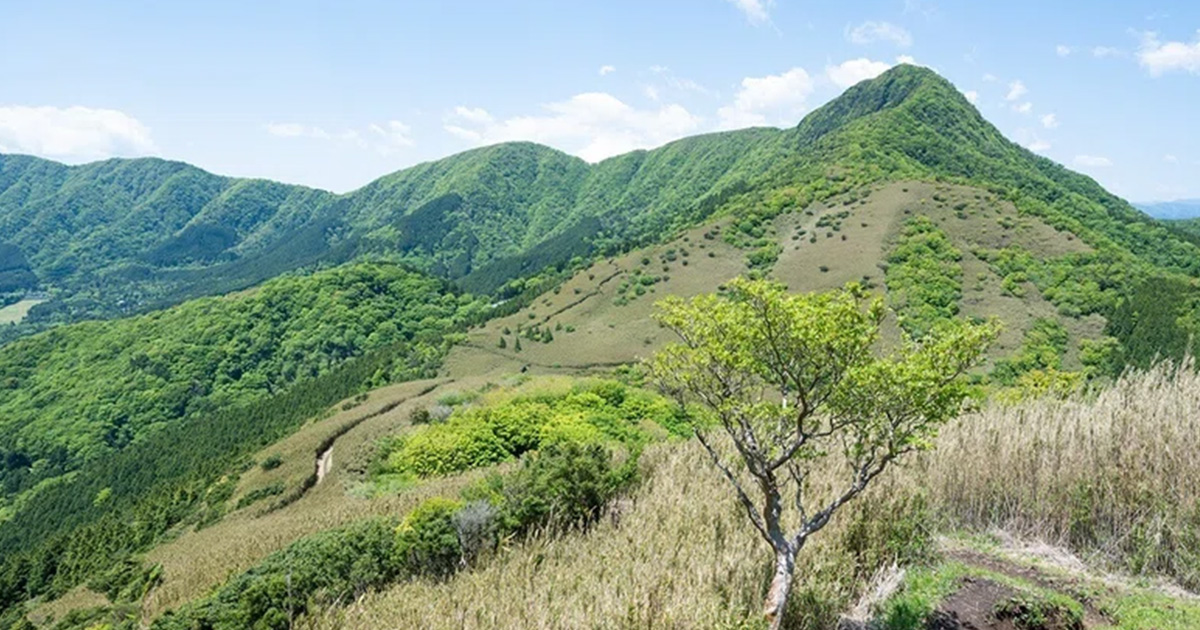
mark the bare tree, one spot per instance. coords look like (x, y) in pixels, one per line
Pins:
(792, 379)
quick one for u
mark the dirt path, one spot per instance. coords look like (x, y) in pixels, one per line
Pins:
(324, 463)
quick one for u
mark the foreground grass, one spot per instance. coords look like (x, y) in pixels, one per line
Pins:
(678, 553)
(1110, 476)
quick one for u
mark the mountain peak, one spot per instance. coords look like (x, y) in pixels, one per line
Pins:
(900, 86)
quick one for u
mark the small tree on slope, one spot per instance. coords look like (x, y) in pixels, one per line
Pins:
(793, 380)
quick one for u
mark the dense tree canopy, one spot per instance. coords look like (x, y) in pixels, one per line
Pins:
(77, 392)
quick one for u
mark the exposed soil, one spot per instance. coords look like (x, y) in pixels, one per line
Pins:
(972, 607)
(978, 604)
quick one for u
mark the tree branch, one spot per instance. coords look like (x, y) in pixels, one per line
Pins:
(743, 498)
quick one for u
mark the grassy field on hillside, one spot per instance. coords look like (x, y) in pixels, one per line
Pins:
(595, 325)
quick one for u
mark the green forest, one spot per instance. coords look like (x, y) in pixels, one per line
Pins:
(77, 393)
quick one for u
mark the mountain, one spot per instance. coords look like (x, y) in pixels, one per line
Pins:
(1172, 210)
(121, 236)
(899, 184)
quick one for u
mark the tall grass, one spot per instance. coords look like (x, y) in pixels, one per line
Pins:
(1114, 475)
(679, 553)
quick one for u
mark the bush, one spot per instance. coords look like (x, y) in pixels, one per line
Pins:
(272, 462)
(566, 484)
(451, 447)
(427, 540)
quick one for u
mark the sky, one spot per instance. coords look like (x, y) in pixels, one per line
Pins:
(335, 94)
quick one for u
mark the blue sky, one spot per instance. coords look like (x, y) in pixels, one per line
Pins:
(335, 94)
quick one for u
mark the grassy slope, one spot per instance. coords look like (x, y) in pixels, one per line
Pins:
(607, 334)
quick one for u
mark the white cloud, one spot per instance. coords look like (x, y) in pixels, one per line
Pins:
(1063, 50)
(908, 59)
(852, 71)
(1038, 146)
(1023, 108)
(755, 10)
(593, 125)
(990, 78)
(1170, 159)
(607, 70)
(1092, 160)
(1101, 52)
(764, 99)
(1016, 90)
(871, 32)
(651, 92)
(297, 130)
(72, 133)
(1030, 140)
(1050, 121)
(1161, 57)
(384, 138)
(475, 115)
(972, 96)
(688, 85)
(392, 135)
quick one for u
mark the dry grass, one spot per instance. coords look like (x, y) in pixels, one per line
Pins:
(1114, 476)
(679, 553)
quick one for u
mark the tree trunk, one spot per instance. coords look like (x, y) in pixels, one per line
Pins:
(781, 587)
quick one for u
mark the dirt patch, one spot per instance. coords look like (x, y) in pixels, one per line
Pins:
(1092, 617)
(972, 607)
(982, 604)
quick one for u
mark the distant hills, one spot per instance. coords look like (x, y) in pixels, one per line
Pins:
(1180, 209)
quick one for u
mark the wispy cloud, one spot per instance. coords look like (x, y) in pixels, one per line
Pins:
(384, 138)
(1050, 121)
(756, 11)
(1092, 161)
(871, 32)
(1016, 90)
(606, 70)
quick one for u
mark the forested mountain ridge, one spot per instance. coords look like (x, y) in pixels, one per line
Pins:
(121, 236)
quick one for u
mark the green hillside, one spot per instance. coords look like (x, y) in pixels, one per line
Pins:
(121, 236)
(135, 435)
(80, 392)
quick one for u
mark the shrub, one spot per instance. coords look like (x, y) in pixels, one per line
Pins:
(563, 485)
(275, 460)
(451, 447)
(427, 540)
